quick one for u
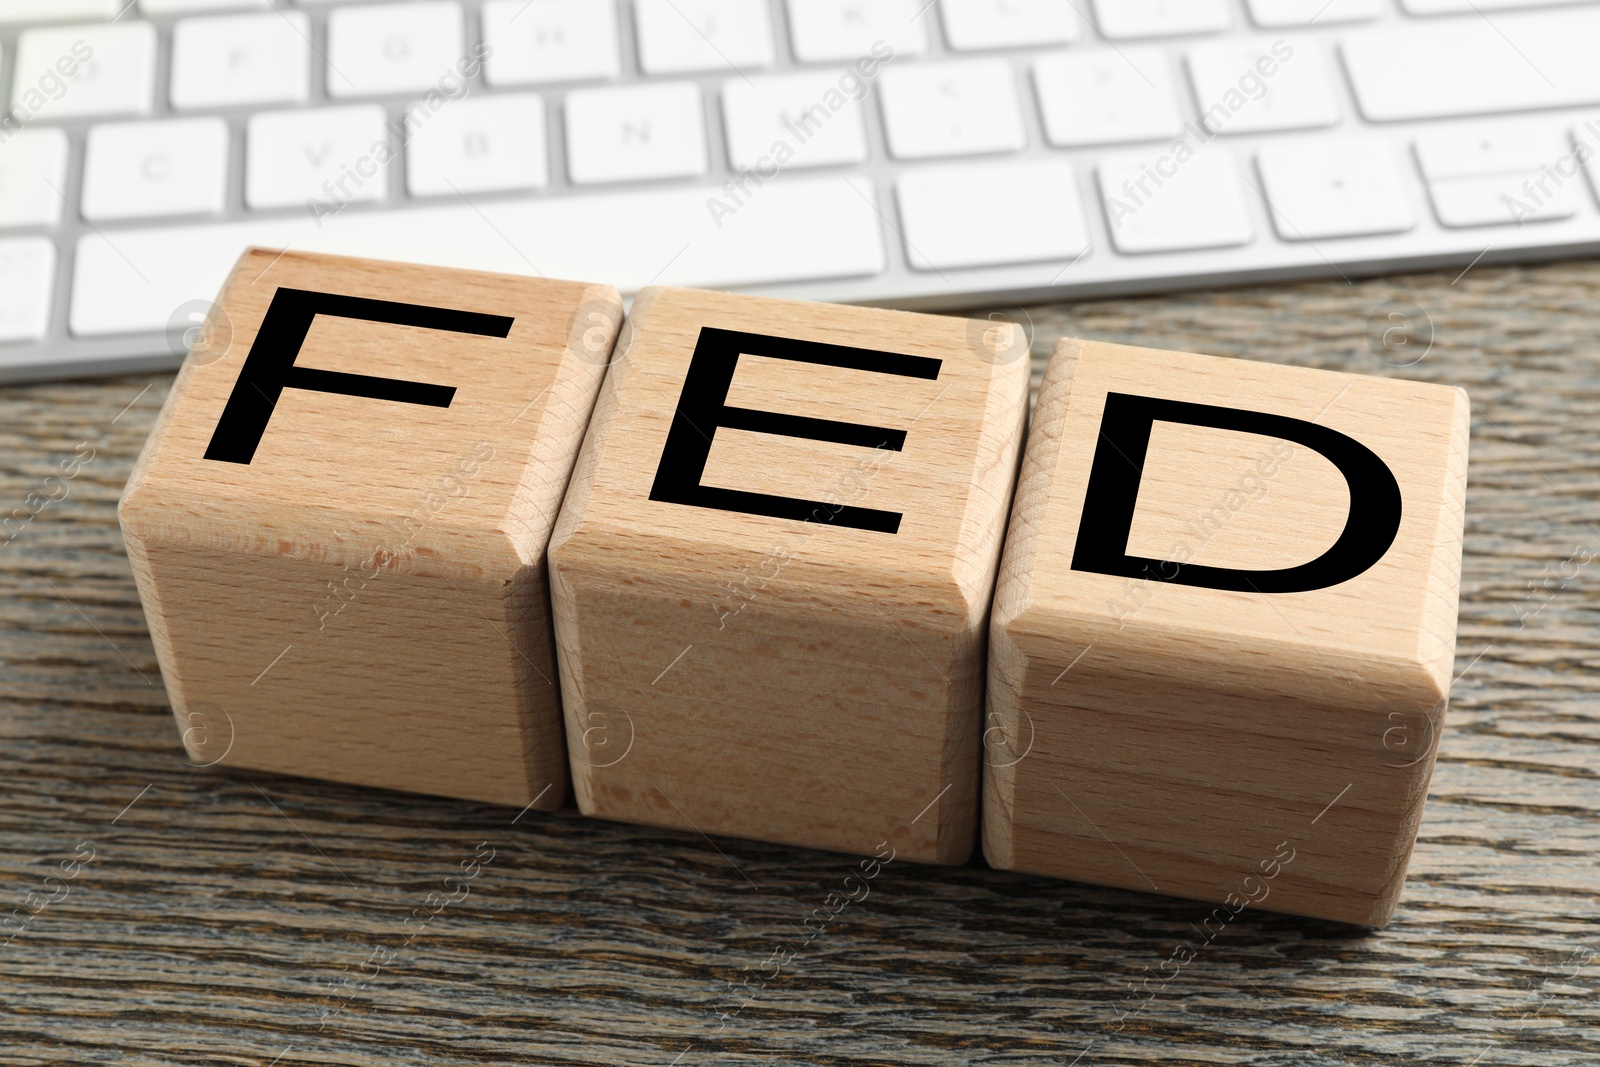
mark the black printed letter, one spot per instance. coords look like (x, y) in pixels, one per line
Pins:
(1113, 491)
(269, 368)
(703, 407)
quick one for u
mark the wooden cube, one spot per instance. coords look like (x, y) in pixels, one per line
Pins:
(772, 573)
(339, 524)
(1224, 630)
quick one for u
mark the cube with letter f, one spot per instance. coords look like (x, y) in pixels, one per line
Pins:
(772, 572)
(338, 526)
(1224, 629)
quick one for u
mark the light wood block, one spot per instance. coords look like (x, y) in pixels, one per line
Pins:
(1222, 641)
(339, 524)
(772, 573)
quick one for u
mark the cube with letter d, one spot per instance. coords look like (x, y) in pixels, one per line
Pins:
(338, 526)
(1224, 630)
(772, 572)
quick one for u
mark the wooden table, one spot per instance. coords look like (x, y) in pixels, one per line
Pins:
(233, 918)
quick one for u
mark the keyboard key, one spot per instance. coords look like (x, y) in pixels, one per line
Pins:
(1157, 202)
(815, 115)
(33, 177)
(825, 227)
(642, 131)
(955, 108)
(482, 145)
(1274, 13)
(135, 170)
(1106, 96)
(1335, 187)
(1121, 19)
(26, 12)
(1502, 174)
(1501, 148)
(27, 278)
(376, 49)
(1497, 200)
(1261, 85)
(835, 31)
(234, 60)
(970, 25)
(550, 41)
(190, 7)
(1009, 213)
(1517, 62)
(335, 154)
(70, 71)
(682, 36)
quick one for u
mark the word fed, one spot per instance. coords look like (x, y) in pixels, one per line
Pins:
(803, 573)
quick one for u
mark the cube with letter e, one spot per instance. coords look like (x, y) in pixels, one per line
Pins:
(772, 572)
(338, 526)
(1224, 630)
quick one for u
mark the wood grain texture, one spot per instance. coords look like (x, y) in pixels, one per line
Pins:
(1230, 744)
(782, 678)
(216, 922)
(350, 586)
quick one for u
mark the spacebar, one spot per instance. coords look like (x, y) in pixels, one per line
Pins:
(1475, 66)
(794, 229)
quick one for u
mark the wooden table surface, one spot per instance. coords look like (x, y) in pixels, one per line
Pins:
(236, 918)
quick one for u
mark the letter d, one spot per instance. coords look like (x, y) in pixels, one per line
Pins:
(1113, 492)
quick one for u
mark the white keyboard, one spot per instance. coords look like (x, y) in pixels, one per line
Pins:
(917, 153)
